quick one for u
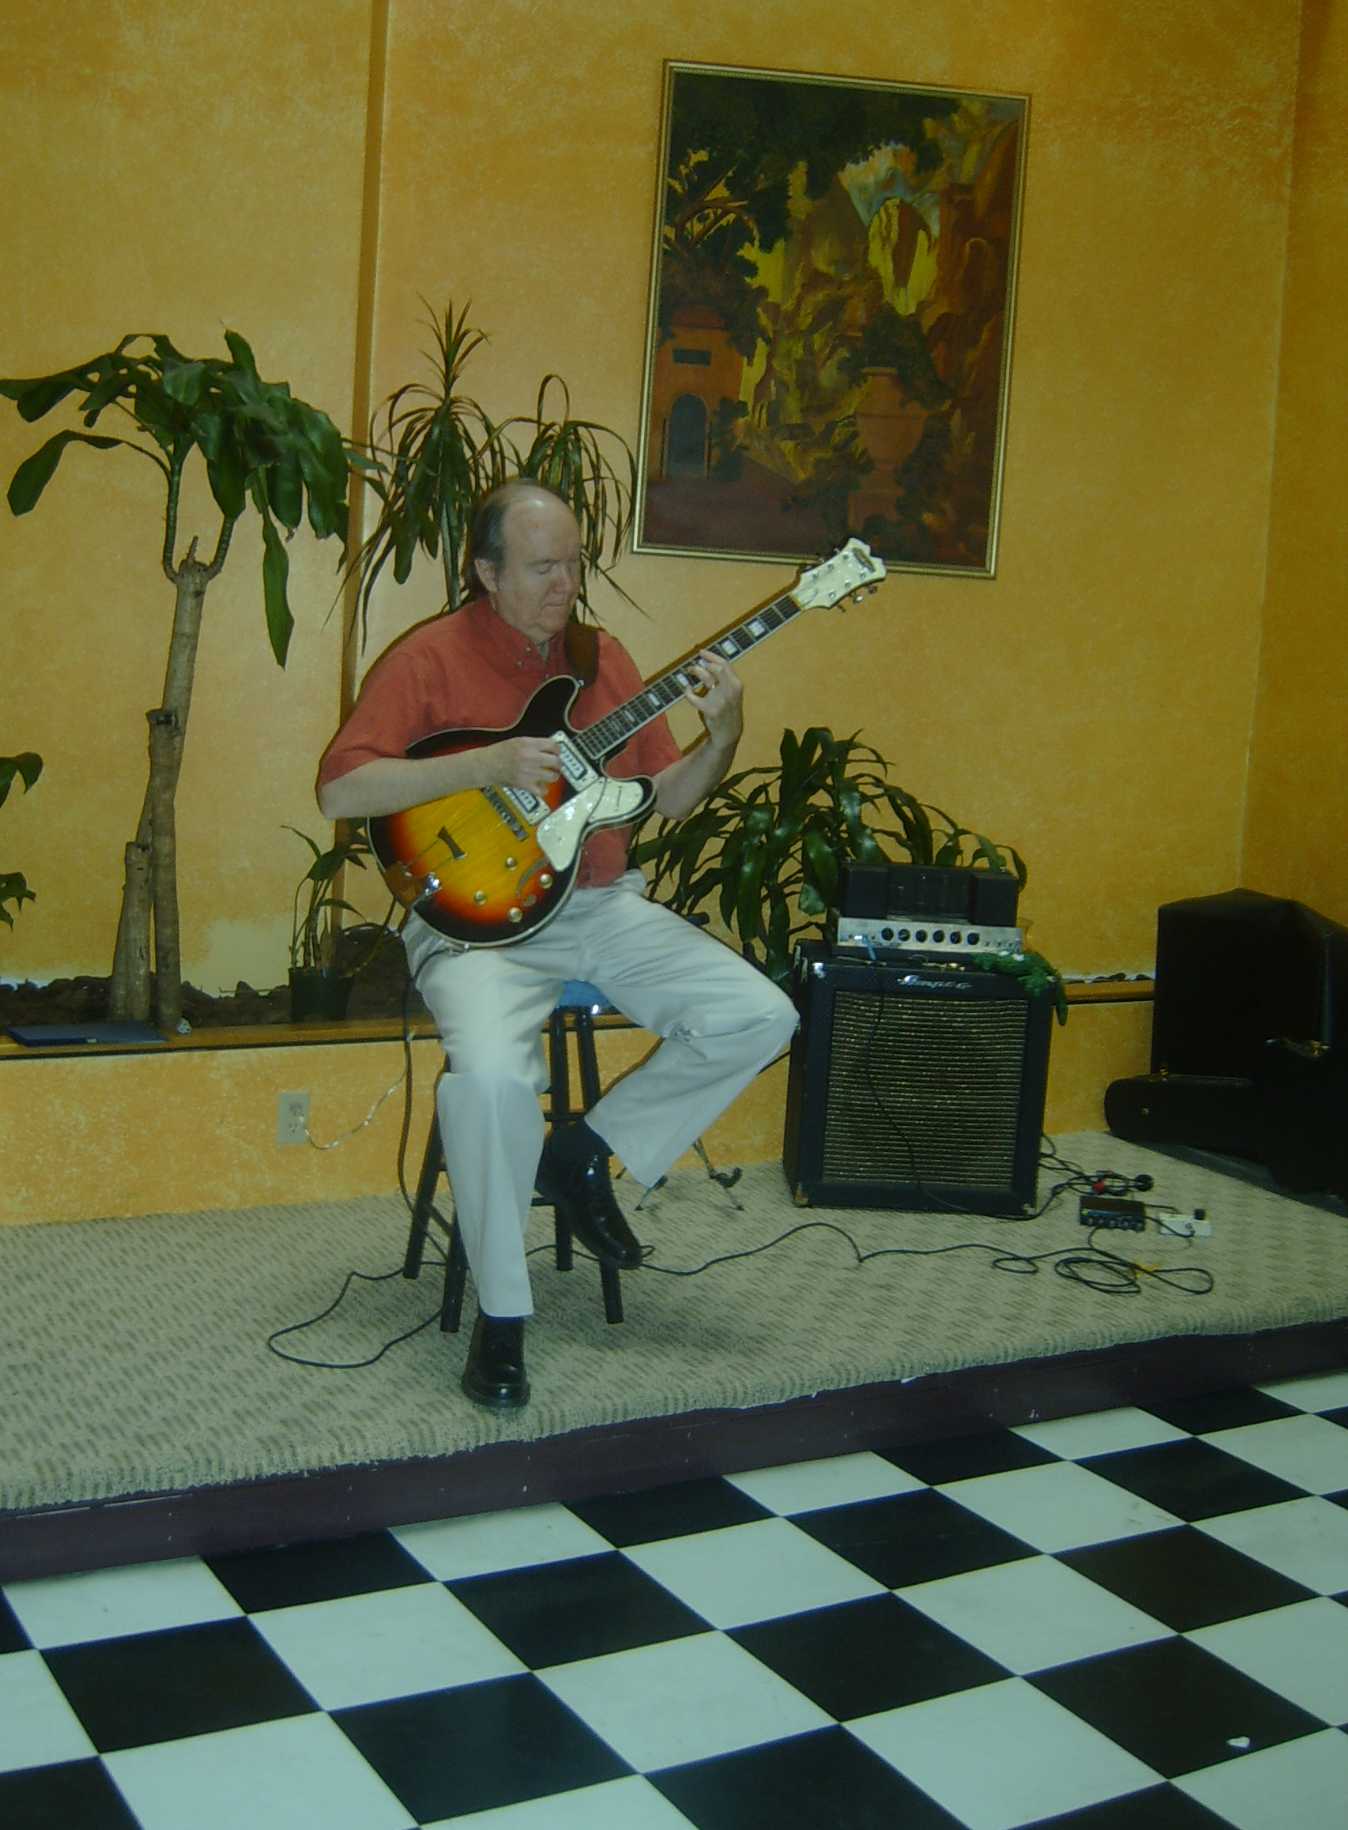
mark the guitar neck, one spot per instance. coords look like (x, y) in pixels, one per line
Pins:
(609, 733)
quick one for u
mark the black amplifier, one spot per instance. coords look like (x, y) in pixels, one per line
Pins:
(921, 908)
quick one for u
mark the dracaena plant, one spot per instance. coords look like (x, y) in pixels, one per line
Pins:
(434, 452)
(765, 850)
(261, 447)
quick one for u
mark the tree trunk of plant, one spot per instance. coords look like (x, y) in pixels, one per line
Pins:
(151, 886)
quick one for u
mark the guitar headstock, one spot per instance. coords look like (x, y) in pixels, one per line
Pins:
(852, 571)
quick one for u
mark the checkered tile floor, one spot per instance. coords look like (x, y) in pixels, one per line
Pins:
(1130, 1618)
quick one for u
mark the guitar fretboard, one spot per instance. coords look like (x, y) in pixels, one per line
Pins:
(609, 733)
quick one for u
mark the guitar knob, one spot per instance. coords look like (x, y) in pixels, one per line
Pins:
(545, 880)
(479, 895)
(510, 864)
(515, 915)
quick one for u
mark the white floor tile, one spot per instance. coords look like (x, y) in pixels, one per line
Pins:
(686, 1699)
(751, 1572)
(302, 1774)
(490, 1541)
(1002, 1755)
(1058, 1506)
(1304, 1539)
(1300, 1651)
(1034, 1614)
(364, 1648)
(1311, 1451)
(1301, 1784)
(1322, 1391)
(806, 1485)
(107, 1603)
(37, 1726)
(1100, 1432)
(622, 1804)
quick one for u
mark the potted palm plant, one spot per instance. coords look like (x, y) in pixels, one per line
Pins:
(765, 850)
(260, 447)
(321, 974)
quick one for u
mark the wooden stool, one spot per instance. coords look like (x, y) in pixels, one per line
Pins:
(573, 1016)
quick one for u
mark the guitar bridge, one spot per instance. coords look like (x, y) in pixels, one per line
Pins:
(502, 807)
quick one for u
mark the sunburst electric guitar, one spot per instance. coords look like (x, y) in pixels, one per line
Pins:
(490, 866)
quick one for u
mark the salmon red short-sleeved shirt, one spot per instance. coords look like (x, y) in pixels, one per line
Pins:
(472, 671)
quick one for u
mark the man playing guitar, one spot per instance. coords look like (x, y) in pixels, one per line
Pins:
(451, 692)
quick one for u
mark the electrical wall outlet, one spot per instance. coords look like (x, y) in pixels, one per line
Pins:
(292, 1118)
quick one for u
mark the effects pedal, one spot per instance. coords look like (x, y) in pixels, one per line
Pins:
(1114, 1212)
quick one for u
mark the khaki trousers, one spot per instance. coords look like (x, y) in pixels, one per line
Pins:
(721, 1022)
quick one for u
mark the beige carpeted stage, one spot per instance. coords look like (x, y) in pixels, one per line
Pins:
(146, 1415)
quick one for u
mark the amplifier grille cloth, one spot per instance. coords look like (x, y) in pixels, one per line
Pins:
(924, 1089)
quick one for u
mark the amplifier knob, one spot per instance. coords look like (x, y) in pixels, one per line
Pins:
(886, 933)
(905, 934)
(954, 937)
(938, 935)
(920, 935)
(974, 939)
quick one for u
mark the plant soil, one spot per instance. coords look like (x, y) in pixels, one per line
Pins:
(378, 991)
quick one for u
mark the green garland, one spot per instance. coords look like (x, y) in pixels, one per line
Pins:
(1034, 972)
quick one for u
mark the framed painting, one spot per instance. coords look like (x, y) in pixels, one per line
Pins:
(831, 307)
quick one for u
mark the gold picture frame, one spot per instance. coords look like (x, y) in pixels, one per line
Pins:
(832, 299)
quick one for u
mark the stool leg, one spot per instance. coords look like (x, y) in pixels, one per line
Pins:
(456, 1259)
(456, 1276)
(611, 1285)
(432, 1162)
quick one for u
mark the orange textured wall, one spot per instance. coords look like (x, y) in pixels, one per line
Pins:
(169, 167)
(1298, 809)
(1092, 704)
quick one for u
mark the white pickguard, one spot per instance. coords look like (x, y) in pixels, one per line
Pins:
(601, 802)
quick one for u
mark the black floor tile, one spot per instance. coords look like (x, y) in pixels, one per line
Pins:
(185, 1681)
(965, 1457)
(451, 1752)
(914, 1537)
(583, 1607)
(1174, 1706)
(865, 1656)
(1193, 1479)
(296, 1573)
(77, 1795)
(668, 1512)
(1158, 1808)
(1220, 1410)
(12, 1636)
(822, 1781)
(1339, 1416)
(1184, 1578)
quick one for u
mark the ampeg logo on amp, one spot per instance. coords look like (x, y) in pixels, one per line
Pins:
(914, 908)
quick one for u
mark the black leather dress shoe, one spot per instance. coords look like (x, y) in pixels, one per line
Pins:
(575, 1180)
(494, 1374)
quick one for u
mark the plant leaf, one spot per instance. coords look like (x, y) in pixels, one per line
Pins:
(35, 472)
(275, 573)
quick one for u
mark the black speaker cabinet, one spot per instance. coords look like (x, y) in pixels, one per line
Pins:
(1234, 971)
(913, 1086)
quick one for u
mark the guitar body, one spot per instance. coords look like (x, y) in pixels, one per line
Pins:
(490, 866)
(493, 865)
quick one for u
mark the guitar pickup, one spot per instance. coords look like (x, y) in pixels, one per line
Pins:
(574, 766)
